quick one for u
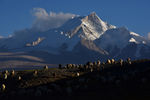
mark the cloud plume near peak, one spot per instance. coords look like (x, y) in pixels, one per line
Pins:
(45, 21)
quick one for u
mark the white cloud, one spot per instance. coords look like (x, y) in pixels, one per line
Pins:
(45, 20)
(148, 35)
(39, 13)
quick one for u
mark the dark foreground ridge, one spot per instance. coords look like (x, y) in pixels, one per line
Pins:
(113, 80)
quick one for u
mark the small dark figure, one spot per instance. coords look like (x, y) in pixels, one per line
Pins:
(54, 75)
(60, 66)
(102, 67)
(86, 67)
(67, 66)
(88, 63)
(95, 63)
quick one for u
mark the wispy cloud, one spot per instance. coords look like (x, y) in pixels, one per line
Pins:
(45, 20)
(148, 35)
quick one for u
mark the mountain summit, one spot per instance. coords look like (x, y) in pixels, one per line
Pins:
(80, 39)
(90, 27)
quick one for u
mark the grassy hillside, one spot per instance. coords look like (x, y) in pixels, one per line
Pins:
(110, 80)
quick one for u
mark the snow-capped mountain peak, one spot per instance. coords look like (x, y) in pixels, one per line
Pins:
(94, 27)
(90, 27)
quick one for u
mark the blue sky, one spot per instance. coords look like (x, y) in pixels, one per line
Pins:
(133, 14)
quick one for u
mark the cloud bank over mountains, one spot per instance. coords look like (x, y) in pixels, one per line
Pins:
(47, 20)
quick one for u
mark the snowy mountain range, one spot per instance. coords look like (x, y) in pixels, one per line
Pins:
(80, 39)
